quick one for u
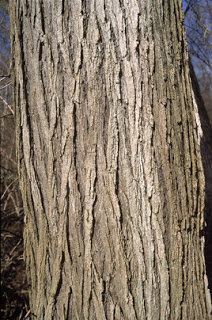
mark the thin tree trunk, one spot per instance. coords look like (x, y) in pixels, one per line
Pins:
(108, 137)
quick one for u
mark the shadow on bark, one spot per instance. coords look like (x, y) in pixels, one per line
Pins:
(206, 153)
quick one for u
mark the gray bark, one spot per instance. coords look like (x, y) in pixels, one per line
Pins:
(108, 138)
(206, 153)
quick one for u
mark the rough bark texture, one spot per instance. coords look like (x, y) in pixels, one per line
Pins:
(206, 153)
(108, 137)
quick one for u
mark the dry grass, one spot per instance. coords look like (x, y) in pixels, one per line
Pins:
(14, 294)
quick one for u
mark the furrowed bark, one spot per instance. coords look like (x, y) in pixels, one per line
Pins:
(108, 137)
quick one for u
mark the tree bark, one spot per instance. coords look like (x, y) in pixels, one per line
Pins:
(206, 153)
(108, 138)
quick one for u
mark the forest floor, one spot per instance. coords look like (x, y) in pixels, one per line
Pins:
(14, 292)
(14, 289)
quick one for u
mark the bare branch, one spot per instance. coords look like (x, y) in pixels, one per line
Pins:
(5, 102)
(5, 76)
(5, 5)
(188, 7)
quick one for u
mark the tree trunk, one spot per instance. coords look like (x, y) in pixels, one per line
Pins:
(108, 138)
(206, 153)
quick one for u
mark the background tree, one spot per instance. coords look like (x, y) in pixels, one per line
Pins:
(198, 17)
(109, 161)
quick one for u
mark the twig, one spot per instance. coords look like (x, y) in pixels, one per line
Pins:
(6, 85)
(28, 314)
(188, 7)
(13, 249)
(7, 104)
(8, 188)
(16, 205)
(6, 115)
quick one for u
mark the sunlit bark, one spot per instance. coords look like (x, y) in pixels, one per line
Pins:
(108, 137)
